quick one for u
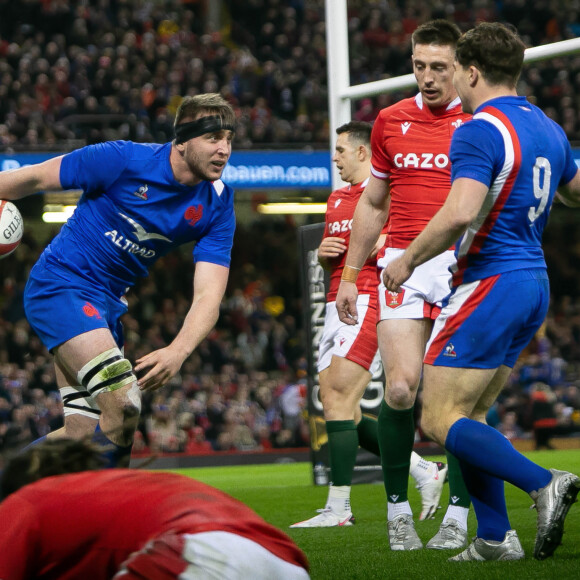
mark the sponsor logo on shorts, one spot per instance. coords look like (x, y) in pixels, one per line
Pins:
(450, 350)
(193, 214)
(341, 341)
(91, 311)
(394, 299)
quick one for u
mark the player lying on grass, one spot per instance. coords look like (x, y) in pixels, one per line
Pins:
(63, 518)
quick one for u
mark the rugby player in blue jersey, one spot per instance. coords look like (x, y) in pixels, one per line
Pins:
(506, 166)
(139, 202)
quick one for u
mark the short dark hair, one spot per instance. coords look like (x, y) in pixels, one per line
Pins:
(360, 131)
(438, 31)
(51, 457)
(191, 108)
(495, 50)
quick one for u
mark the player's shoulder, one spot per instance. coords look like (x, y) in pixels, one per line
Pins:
(138, 151)
(127, 149)
(404, 106)
(476, 124)
(455, 111)
(341, 191)
(222, 191)
(358, 188)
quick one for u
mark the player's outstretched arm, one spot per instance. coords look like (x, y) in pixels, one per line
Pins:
(209, 285)
(570, 193)
(18, 183)
(445, 228)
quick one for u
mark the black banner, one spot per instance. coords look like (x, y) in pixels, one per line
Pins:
(314, 287)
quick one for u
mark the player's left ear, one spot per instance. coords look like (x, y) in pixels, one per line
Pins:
(474, 75)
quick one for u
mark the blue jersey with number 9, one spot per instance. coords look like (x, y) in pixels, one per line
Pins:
(522, 156)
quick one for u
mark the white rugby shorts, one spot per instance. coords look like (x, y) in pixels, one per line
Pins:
(207, 556)
(421, 295)
(357, 343)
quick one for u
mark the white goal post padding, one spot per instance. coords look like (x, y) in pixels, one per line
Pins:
(340, 93)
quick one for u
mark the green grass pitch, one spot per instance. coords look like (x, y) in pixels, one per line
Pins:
(284, 494)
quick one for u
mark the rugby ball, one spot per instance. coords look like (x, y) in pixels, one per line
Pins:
(11, 228)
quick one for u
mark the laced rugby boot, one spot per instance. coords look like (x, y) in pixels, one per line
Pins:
(487, 550)
(402, 534)
(449, 537)
(553, 502)
(326, 518)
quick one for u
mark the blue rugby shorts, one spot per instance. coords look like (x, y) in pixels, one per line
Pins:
(487, 323)
(60, 305)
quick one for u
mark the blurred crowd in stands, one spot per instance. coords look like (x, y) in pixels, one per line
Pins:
(244, 389)
(74, 72)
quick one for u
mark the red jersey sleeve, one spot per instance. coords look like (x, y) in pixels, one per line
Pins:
(18, 545)
(380, 161)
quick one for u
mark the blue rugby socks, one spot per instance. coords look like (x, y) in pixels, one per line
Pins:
(488, 499)
(486, 448)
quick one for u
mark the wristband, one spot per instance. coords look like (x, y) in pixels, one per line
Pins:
(350, 274)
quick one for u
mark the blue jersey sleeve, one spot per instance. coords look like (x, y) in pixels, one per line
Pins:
(476, 151)
(570, 167)
(95, 167)
(216, 246)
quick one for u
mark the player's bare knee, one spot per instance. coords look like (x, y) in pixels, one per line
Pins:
(130, 412)
(124, 404)
(399, 395)
(110, 381)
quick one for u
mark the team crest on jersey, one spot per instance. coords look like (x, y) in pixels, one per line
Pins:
(405, 127)
(457, 123)
(394, 299)
(141, 193)
(193, 214)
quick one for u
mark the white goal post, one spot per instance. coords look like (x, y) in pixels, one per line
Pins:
(341, 93)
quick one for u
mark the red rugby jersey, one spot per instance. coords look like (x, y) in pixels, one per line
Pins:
(84, 525)
(338, 224)
(410, 146)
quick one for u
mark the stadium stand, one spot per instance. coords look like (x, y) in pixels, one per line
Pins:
(76, 72)
(73, 73)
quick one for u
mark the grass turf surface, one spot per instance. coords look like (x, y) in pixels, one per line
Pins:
(283, 494)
